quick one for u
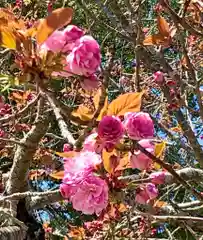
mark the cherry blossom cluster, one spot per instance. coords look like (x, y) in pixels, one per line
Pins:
(82, 54)
(82, 184)
(84, 187)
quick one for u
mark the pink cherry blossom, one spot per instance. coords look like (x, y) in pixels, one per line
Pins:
(146, 193)
(72, 180)
(124, 81)
(71, 33)
(85, 57)
(110, 129)
(138, 159)
(63, 41)
(55, 43)
(66, 147)
(151, 190)
(5, 109)
(92, 144)
(88, 193)
(158, 77)
(84, 160)
(157, 177)
(138, 125)
(91, 196)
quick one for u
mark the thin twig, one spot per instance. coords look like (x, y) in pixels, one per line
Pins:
(138, 39)
(179, 20)
(11, 141)
(18, 196)
(21, 112)
(61, 123)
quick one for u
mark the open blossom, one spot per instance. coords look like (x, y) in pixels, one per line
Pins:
(138, 125)
(157, 177)
(55, 42)
(110, 129)
(85, 160)
(146, 193)
(138, 159)
(88, 193)
(63, 41)
(71, 33)
(91, 196)
(85, 57)
(77, 168)
(92, 144)
(71, 181)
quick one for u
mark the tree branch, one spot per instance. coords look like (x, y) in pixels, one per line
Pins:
(192, 174)
(171, 171)
(17, 181)
(179, 20)
(61, 123)
(21, 112)
(40, 200)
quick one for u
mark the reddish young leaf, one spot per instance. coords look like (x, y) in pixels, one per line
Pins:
(57, 19)
(69, 154)
(86, 113)
(163, 26)
(156, 39)
(124, 163)
(160, 204)
(122, 208)
(7, 38)
(8, 19)
(57, 175)
(163, 37)
(129, 102)
(77, 233)
(107, 160)
(20, 98)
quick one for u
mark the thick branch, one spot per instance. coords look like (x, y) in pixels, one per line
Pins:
(191, 137)
(171, 218)
(17, 181)
(12, 232)
(187, 130)
(191, 174)
(39, 201)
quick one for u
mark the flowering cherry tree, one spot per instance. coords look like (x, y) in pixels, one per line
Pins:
(129, 165)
